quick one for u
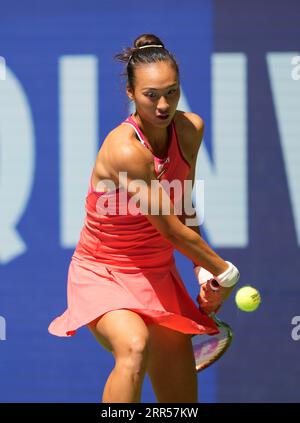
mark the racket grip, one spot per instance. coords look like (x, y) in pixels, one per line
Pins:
(214, 284)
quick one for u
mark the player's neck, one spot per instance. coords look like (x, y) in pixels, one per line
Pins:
(157, 137)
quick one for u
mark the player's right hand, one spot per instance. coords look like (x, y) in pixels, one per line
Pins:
(214, 290)
(211, 297)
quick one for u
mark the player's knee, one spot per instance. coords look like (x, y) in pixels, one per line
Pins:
(139, 345)
(134, 355)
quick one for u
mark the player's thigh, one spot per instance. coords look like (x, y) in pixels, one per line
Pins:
(121, 331)
(171, 365)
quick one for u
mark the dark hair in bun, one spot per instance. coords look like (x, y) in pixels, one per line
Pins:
(134, 56)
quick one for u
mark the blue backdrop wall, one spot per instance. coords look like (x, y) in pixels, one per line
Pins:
(61, 93)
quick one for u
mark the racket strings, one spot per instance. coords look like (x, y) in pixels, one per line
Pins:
(209, 349)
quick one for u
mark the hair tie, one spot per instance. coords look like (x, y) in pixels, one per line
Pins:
(148, 45)
(151, 45)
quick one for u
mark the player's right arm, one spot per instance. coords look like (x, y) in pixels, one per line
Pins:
(131, 166)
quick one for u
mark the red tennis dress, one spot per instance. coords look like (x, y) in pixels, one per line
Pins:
(121, 261)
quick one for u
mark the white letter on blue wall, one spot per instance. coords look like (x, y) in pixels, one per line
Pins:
(286, 97)
(16, 164)
(78, 91)
(225, 174)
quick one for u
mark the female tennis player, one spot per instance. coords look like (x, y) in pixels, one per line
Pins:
(122, 281)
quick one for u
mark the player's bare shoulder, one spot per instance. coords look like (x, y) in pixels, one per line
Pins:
(189, 121)
(120, 151)
(190, 129)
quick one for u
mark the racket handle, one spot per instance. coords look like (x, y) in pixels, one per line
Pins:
(214, 284)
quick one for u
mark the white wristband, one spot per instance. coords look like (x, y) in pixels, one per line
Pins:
(230, 277)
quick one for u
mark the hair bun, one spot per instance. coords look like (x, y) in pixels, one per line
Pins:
(137, 55)
(147, 39)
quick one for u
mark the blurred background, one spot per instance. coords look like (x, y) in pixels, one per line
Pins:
(61, 93)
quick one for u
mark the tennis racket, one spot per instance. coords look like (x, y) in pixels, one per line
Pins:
(209, 348)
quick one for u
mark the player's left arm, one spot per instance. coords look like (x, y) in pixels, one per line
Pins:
(209, 300)
(194, 134)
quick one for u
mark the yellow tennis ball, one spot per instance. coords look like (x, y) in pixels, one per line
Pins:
(247, 298)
